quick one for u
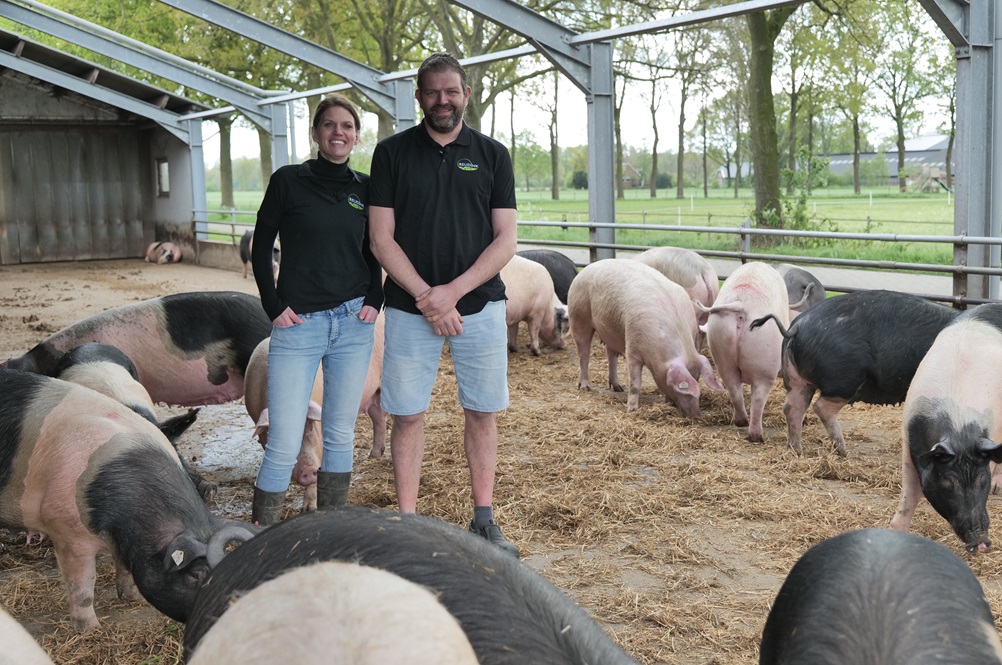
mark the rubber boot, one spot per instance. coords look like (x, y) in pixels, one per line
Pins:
(267, 508)
(332, 489)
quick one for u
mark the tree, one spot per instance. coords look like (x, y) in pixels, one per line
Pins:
(903, 77)
(690, 45)
(851, 74)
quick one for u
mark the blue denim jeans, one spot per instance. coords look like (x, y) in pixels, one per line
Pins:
(341, 343)
(412, 351)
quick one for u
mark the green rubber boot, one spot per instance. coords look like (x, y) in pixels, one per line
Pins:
(267, 508)
(332, 489)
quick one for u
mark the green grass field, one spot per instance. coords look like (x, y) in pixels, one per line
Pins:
(876, 211)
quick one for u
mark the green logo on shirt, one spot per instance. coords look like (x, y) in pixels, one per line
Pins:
(354, 202)
(466, 165)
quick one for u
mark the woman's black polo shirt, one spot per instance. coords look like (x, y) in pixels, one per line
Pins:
(442, 200)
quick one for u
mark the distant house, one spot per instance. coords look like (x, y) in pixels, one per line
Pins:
(925, 164)
(631, 177)
(725, 174)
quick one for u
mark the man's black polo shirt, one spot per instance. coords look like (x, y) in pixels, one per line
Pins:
(442, 200)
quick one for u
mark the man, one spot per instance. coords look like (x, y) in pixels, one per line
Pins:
(443, 223)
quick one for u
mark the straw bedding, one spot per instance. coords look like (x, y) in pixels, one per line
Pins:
(675, 535)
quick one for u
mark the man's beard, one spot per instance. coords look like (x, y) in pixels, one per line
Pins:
(446, 125)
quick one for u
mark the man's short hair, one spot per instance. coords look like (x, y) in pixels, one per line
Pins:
(441, 62)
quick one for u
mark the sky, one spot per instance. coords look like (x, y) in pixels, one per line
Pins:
(572, 118)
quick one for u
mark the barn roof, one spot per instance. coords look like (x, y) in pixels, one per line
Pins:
(88, 72)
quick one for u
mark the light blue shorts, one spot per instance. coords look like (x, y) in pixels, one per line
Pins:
(412, 353)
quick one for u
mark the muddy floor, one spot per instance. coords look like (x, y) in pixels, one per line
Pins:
(673, 534)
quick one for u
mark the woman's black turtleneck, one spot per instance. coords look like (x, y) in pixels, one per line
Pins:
(319, 212)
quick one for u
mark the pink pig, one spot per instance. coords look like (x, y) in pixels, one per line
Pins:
(642, 315)
(748, 356)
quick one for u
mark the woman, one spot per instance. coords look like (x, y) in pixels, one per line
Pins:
(323, 308)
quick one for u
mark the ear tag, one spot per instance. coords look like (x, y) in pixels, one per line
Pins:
(683, 385)
(178, 557)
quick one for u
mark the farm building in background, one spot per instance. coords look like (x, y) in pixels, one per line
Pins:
(925, 165)
(92, 163)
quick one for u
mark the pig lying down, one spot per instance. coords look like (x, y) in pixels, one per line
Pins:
(163, 252)
(952, 427)
(94, 475)
(365, 615)
(189, 349)
(643, 316)
(879, 597)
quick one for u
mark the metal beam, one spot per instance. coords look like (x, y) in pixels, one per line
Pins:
(549, 37)
(166, 119)
(363, 77)
(107, 42)
(978, 203)
(683, 20)
(951, 17)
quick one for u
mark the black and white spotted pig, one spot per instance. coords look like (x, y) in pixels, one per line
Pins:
(510, 614)
(877, 596)
(858, 347)
(107, 370)
(94, 475)
(189, 349)
(952, 427)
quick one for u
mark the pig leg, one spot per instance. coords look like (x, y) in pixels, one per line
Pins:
(125, 585)
(613, 359)
(308, 464)
(759, 395)
(731, 376)
(996, 470)
(513, 337)
(827, 409)
(534, 325)
(795, 408)
(635, 367)
(378, 418)
(911, 491)
(583, 335)
(77, 562)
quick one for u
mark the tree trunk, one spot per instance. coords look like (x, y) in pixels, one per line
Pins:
(737, 147)
(554, 145)
(791, 160)
(264, 141)
(902, 179)
(654, 150)
(511, 128)
(949, 144)
(680, 162)
(225, 161)
(706, 174)
(855, 153)
(763, 28)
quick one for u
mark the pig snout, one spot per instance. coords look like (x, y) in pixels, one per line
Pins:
(306, 474)
(688, 404)
(979, 544)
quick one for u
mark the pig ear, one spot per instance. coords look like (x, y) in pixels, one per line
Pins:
(681, 380)
(182, 551)
(706, 372)
(990, 449)
(940, 452)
